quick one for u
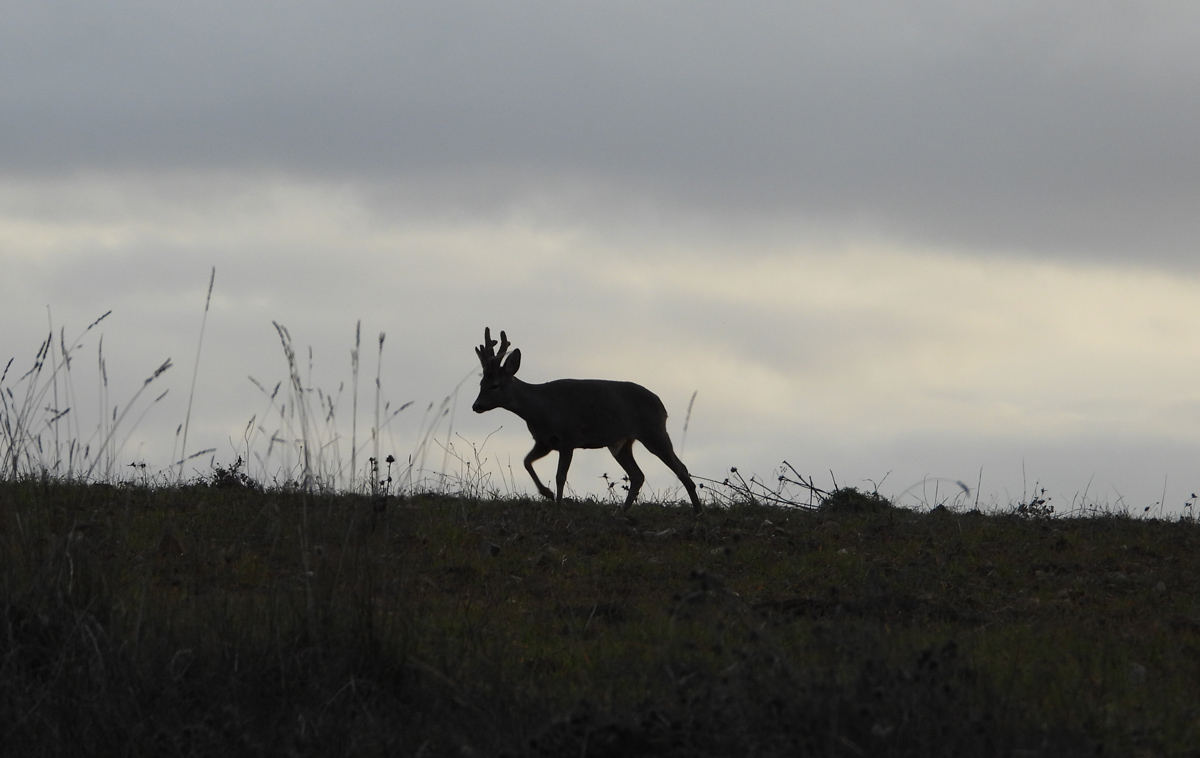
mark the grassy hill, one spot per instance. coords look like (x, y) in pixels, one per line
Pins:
(227, 620)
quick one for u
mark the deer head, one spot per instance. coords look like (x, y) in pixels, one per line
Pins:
(496, 384)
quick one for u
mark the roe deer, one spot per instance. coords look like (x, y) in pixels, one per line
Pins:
(579, 413)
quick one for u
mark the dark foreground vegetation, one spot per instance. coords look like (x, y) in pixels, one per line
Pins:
(227, 621)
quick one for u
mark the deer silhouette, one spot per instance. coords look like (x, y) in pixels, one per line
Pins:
(567, 414)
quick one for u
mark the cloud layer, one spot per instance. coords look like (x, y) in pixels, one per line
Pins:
(1031, 127)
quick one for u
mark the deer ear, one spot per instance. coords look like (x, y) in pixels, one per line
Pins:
(513, 363)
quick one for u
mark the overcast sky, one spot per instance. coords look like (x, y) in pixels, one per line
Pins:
(952, 241)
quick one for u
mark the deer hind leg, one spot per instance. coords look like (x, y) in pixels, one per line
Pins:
(660, 445)
(623, 452)
(564, 463)
(539, 451)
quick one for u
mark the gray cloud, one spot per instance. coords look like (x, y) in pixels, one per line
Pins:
(1063, 128)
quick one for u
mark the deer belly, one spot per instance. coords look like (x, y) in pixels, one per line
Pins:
(578, 439)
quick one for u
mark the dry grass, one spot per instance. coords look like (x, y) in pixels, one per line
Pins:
(221, 619)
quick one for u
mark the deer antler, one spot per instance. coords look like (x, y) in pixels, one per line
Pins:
(488, 357)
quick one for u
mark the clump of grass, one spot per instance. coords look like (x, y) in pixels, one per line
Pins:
(309, 440)
(232, 476)
(1037, 506)
(23, 404)
(852, 500)
(40, 431)
(306, 447)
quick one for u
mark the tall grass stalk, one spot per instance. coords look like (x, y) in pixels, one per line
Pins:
(354, 404)
(102, 398)
(687, 420)
(110, 452)
(54, 380)
(187, 419)
(298, 403)
(71, 419)
(453, 398)
(429, 426)
(375, 429)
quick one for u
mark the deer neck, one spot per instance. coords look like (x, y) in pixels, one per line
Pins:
(526, 402)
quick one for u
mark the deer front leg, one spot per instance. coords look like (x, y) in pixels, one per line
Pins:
(564, 463)
(539, 451)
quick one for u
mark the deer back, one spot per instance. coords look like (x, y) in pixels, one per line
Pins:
(588, 413)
